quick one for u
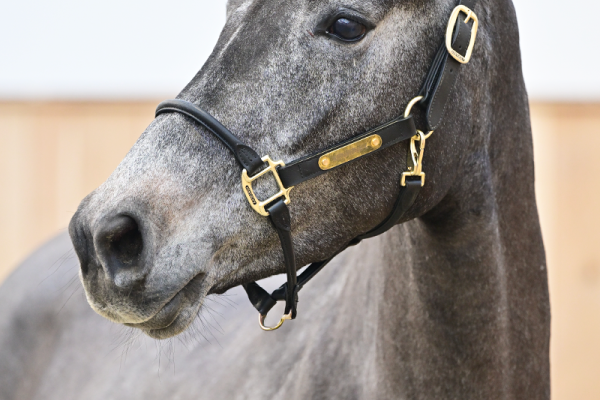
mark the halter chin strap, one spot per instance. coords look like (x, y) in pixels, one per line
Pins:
(456, 51)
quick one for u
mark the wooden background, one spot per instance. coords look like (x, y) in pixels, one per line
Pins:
(53, 154)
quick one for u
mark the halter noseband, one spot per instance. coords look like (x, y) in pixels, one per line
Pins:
(457, 50)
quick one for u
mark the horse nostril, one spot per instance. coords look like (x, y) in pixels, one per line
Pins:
(126, 241)
(120, 243)
(81, 244)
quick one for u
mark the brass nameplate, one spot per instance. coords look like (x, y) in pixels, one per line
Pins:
(350, 152)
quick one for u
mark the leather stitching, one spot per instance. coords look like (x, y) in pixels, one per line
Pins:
(246, 155)
(439, 117)
(288, 253)
(242, 156)
(437, 93)
(310, 174)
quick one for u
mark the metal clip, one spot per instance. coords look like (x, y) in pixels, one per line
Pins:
(416, 158)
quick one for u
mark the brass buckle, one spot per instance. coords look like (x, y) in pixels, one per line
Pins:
(449, 33)
(417, 158)
(261, 321)
(257, 205)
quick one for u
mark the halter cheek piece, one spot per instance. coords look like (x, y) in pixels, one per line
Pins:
(456, 51)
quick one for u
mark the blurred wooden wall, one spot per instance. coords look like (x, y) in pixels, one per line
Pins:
(53, 154)
(567, 155)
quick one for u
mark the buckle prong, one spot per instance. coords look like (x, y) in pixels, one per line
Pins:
(469, 15)
(257, 205)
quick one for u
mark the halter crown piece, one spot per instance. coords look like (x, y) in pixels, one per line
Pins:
(456, 51)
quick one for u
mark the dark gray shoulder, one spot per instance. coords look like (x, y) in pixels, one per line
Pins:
(30, 313)
(49, 267)
(53, 346)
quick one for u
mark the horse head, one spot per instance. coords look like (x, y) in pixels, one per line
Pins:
(171, 225)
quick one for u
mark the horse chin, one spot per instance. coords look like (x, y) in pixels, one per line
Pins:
(177, 315)
(182, 321)
(173, 317)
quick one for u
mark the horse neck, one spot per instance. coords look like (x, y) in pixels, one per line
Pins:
(463, 300)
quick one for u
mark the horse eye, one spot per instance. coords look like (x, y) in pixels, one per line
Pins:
(347, 30)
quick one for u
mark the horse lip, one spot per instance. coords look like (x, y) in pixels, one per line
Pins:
(168, 313)
(164, 317)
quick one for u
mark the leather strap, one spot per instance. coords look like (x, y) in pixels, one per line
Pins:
(260, 299)
(307, 167)
(406, 198)
(264, 301)
(444, 71)
(244, 155)
(280, 217)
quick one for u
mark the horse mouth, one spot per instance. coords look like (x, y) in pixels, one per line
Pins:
(177, 314)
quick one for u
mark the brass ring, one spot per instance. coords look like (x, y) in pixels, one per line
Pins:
(411, 104)
(409, 109)
(261, 322)
(420, 135)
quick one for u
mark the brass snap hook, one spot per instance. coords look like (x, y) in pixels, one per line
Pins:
(416, 158)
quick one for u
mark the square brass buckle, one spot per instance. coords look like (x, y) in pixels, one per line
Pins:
(257, 205)
(450, 32)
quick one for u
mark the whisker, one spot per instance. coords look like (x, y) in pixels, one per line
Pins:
(69, 298)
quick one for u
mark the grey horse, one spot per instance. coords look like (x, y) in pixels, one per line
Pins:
(451, 304)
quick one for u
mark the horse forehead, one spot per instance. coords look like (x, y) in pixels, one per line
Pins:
(274, 28)
(276, 33)
(300, 9)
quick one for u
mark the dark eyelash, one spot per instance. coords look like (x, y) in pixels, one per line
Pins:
(323, 26)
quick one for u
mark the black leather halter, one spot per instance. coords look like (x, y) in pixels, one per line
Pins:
(433, 97)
